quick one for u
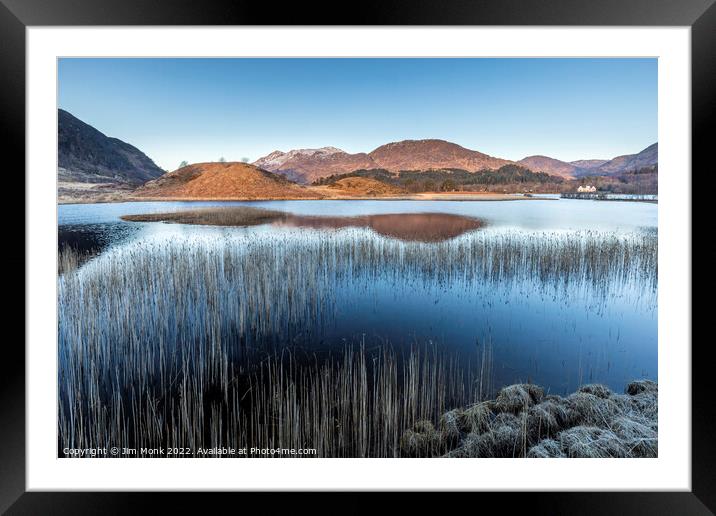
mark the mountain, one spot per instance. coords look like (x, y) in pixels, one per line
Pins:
(277, 159)
(307, 165)
(588, 163)
(239, 181)
(593, 167)
(432, 154)
(551, 166)
(86, 155)
(629, 162)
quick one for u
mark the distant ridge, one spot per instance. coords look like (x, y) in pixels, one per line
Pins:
(648, 157)
(588, 163)
(309, 165)
(551, 166)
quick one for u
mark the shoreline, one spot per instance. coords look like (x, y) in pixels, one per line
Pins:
(457, 196)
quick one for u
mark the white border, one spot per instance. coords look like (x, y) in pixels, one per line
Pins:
(672, 470)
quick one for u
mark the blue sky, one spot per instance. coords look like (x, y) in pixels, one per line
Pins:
(203, 109)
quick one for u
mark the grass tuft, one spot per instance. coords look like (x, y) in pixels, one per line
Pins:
(580, 425)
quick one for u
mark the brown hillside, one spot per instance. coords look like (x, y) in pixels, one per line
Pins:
(432, 154)
(551, 166)
(307, 165)
(309, 168)
(363, 186)
(238, 181)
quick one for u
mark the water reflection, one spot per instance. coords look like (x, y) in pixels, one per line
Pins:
(409, 227)
(94, 238)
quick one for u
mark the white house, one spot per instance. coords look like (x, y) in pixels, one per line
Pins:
(587, 188)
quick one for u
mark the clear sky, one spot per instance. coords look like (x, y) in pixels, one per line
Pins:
(203, 109)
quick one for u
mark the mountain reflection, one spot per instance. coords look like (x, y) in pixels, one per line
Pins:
(410, 227)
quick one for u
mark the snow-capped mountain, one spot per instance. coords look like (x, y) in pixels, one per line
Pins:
(307, 165)
(277, 158)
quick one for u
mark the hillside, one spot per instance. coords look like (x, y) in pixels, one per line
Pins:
(362, 186)
(647, 158)
(310, 165)
(551, 166)
(85, 155)
(307, 165)
(277, 159)
(432, 154)
(588, 163)
(315, 165)
(448, 180)
(239, 181)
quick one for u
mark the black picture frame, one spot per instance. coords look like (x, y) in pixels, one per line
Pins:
(17, 15)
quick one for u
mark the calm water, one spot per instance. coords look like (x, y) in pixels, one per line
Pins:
(556, 337)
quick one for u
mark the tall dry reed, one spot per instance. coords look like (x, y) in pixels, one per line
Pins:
(182, 342)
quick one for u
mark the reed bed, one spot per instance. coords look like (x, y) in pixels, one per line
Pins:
(351, 402)
(183, 342)
(355, 403)
(70, 259)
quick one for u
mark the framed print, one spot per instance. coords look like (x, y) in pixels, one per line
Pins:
(446, 251)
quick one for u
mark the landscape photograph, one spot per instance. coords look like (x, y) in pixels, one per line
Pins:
(357, 258)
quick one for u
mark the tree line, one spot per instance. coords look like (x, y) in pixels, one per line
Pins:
(447, 179)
